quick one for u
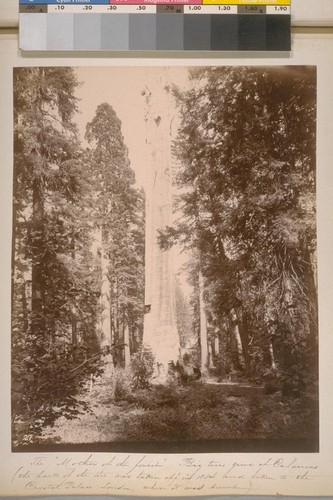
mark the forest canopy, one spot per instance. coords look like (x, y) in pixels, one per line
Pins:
(245, 172)
(78, 247)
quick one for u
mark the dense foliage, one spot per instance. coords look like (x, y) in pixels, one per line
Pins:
(63, 198)
(246, 177)
(142, 367)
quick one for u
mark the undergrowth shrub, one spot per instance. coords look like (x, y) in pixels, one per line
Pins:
(121, 383)
(142, 367)
(47, 387)
(162, 424)
(187, 414)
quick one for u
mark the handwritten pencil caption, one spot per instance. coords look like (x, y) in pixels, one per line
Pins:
(145, 473)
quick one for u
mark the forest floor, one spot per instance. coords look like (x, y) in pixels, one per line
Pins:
(174, 413)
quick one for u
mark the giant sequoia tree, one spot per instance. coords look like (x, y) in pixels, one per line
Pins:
(246, 151)
(119, 219)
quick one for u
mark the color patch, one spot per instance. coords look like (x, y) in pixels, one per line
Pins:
(60, 32)
(252, 32)
(87, 31)
(197, 32)
(115, 32)
(33, 29)
(278, 33)
(142, 32)
(224, 32)
(170, 31)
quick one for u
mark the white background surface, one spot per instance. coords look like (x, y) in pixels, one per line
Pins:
(314, 49)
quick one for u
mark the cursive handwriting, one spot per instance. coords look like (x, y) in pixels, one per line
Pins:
(156, 474)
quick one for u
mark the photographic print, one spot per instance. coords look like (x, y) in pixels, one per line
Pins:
(164, 289)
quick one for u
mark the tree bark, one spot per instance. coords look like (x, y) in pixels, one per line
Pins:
(73, 308)
(312, 295)
(106, 339)
(38, 259)
(241, 326)
(203, 329)
(25, 313)
(271, 354)
(127, 354)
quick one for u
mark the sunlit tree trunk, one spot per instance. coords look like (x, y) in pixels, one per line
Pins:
(127, 354)
(242, 338)
(271, 354)
(204, 353)
(105, 321)
(160, 325)
(75, 339)
(235, 330)
(216, 345)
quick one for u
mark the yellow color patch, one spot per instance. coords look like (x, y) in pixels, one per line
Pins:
(247, 2)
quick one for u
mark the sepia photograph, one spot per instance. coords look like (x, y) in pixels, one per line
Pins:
(164, 266)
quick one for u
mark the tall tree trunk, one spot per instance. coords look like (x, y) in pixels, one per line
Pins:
(73, 308)
(106, 339)
(25, 313)
(127, 354)
(241, 328)
(38, 259)
(312, 295)
(271, 354)
(204, 354)
(210, 355)
(74, 326)
(235, 333)
(217, 342)
(111, 309)
(160, 323)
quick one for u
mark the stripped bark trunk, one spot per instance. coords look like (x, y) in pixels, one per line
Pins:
(37, 275)
(160, 325)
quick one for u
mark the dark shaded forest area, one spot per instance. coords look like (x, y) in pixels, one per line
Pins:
(244, 181)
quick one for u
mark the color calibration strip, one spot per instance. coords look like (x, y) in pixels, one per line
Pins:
(117, 25)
